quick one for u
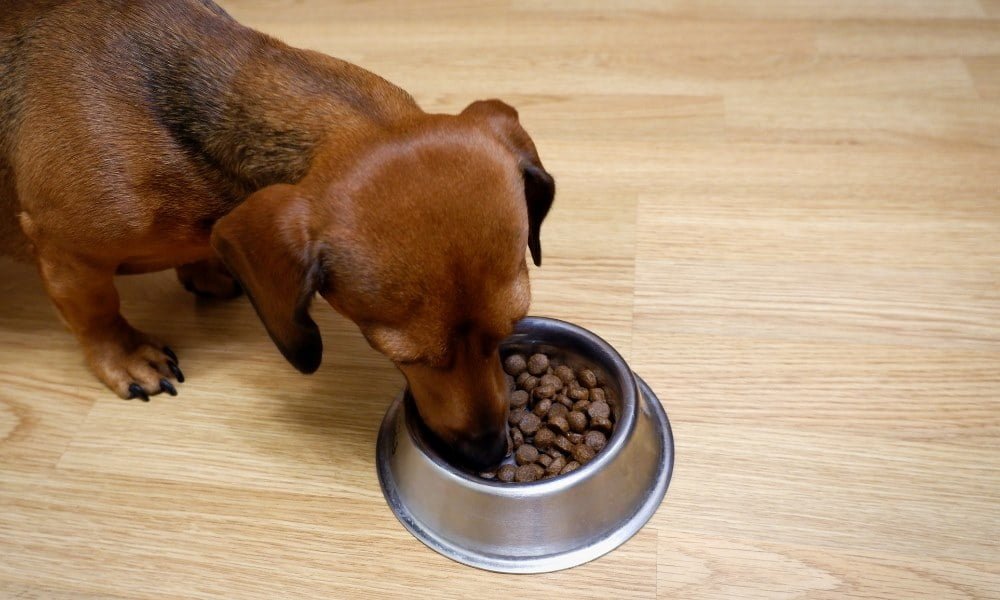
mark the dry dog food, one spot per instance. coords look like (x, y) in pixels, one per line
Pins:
(560, 419)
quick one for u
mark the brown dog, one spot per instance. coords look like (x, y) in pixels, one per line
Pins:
(142, 135)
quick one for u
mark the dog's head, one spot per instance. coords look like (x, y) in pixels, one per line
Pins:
(421, 242)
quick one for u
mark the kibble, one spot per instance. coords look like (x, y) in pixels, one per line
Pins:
(544, 391)
(559, 423)
(577, 421)
(555, 382)
(529, 424)
(544, 438)
(602, 424)
(564, 373)
(516, 437)
(582, 453)
(599, 409)
(515, 364)
(595, 439)
(538, 364)
(525, 474)
(526, 454)
(559, 418)
(570, 466)
(530, 383)
(558, 410)
(506, 473)
(587, 378)
(542, 407)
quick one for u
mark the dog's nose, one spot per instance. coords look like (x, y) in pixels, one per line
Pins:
(484, 450)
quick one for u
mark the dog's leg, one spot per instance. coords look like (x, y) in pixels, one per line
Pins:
(208, 278)
(131, 363)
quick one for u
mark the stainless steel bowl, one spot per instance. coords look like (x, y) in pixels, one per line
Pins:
(545, 525)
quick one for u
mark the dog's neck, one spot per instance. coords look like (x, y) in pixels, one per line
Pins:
(260, 113)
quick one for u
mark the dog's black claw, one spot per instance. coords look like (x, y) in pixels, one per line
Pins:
(168, 387)
(135, 391)
(178, 375)
(170, 353)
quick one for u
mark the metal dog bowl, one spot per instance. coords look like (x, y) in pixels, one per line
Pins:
(544, 525)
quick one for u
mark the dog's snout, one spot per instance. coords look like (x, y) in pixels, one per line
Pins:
(484, 450)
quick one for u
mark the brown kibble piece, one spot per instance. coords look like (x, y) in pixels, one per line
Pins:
(519, 380)
(516, 415)
(519, 399)
(542, 407)
(516, 437)
(506, 473)
(529, 424)
(544, 438)
(538, 364)
(570, 466)
(555, 466)
(511, 384)
(515, 364)
(558, 410)
(563, 443)
(577, 393)
(597, 395)
(559, 423)
(554, 452)
(581, 405)
(574, 438)
(564, 373)
(525, 473)
(587, 378)
(577, 421)
(564, 400)
(595, 439)
(530, 383)
(526, 454)
(599, 409)
(539, 470)
(545, 460)
(582, 453)
(602, 424)
(552, 380)
(544, 391)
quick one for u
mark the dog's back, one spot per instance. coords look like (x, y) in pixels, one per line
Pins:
(14, 30)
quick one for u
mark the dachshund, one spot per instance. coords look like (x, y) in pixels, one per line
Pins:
(143, 135)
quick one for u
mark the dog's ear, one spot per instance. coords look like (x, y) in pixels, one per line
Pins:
(539, 186)
(265, 243)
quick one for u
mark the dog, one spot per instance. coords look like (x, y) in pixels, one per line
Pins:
(143, 135)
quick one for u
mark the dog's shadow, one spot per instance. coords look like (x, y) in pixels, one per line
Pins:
(335, 410)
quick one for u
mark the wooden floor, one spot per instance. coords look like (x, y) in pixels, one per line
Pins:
(784, 213)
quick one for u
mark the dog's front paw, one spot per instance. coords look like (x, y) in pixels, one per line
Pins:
(134, 365)
(208, 279)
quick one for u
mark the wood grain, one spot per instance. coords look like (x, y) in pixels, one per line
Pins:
(785, 214)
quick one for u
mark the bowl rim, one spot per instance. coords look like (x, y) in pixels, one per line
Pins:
(624, 427)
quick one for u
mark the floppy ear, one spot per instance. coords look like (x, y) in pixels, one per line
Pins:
(265, 243)
(539, 186)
